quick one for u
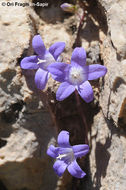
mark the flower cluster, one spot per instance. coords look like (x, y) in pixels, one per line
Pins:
(73, 76)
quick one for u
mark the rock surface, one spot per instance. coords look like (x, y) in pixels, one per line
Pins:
(109, 127)
(28, 116)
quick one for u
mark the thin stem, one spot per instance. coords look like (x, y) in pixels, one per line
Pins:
(77, 40)
(82, 115)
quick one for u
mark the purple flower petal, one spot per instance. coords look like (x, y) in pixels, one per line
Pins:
(58, 78)
(41, 78)
(75, 170)
(86, 92)
(29, 62)
(68, 7)
(56, 49)
(63, 139)
(59, 167)
(57, 68)
(96, 71)
(53, 151)
(78, 56)
(58, 71)
(64, 90)
(38, 45)
(80, 150)
(65, 149)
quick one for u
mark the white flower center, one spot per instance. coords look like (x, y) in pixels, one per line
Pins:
(67, 157)
(76, 75)
(48, 59)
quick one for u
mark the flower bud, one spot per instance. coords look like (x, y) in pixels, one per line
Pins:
(68, 7)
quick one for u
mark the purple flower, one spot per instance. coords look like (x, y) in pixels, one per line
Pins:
(42, 60)
(66, 156)
(75, 76)
(68, 7)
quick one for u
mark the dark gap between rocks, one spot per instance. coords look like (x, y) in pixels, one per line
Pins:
(2, 186)
(2, 143)
(11, 113)
(117, 83)
(95, 14)
(52, 13)
(122, 118)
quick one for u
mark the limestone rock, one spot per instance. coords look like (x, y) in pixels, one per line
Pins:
(108, 129)
(113, 55)
(109, 152)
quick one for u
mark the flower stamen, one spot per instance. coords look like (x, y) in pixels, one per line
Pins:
(41, 61)
(61, 156)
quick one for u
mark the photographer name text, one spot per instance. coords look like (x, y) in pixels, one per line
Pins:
(17, 4)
